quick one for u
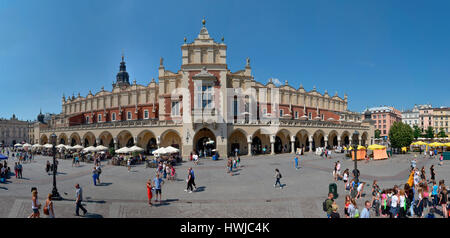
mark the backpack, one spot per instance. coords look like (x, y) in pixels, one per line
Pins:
(324, 204)
(280, 175)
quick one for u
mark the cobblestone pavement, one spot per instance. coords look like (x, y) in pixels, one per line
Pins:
(248, 193)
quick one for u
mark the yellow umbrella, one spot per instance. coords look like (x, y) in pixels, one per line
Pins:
(419, 143)
(376, 147)
(436, 144)
(360, 147)
(447, 144)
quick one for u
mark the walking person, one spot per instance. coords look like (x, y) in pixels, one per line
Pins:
(19, 170)
(443, 198)
(189, 182)
(149, 192)
(394, 204)
(432, 173)
(16, 169)
(353, 209)
(157, 182)
(35, 205)
(129, 164)
(193, 178)
(296, 162)
(95, 175)
(99, 171)
(365, 213)
(78, 200)
(347, 203)
(278, 177)
(328, 204)
(48, 208)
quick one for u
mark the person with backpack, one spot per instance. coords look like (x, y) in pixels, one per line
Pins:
(327, 205)
(278, 177)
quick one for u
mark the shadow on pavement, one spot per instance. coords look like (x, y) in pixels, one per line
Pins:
(104, 184)
(92, 215)
(3, 188)
(200, 189)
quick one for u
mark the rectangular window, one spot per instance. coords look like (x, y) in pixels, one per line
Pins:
(175, 108)
(99, 117)
(264, 111)
(114, 116)
(145, 114)
(87, 120)
(129, 116)
(296, 115)
(321, 116)
(384, 131)
(309, 115)
(281, 112)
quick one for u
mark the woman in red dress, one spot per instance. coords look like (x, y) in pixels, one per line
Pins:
(149, 192)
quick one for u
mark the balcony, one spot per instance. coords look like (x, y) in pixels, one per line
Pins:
(116, 124)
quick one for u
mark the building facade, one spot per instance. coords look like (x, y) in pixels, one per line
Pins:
(426, 118)
(13, 131)
(384, 118)
(204, 103)
(441, 120)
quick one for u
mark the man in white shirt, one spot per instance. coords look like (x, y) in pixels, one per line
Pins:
(366, 211)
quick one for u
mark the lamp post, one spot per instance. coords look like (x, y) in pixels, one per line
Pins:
(355, 148)
(55, 194)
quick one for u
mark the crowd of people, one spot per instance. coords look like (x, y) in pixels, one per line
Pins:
(419, 198)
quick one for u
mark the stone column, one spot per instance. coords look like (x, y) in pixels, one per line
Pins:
(359, 140)
(339, 140)
(272, 144)
(98, 141)
(310, 144)
(135, 140)
(116, 144)
(249, 148)
(326, 141)
(293, 145)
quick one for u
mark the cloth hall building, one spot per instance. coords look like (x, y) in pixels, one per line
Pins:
(205, 104)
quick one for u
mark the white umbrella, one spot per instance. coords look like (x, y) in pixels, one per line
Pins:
(161, 150)
(171, 150)
(37, 146)
(78, 147)
(90, 149)
(18, 145)
(101, 148)
(136, 149)
(26, 145)
(48, 146)
(60, 146)
(123, 150)
(68, 147)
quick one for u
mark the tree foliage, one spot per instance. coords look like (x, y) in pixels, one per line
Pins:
(377, 134)
(429, 133)
(400, 135)
(442, 133)
(417, 132)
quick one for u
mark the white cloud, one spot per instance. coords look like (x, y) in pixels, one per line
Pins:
(276, 81)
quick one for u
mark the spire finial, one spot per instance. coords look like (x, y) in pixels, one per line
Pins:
(203, 21)
(122, 56)
(185, 39)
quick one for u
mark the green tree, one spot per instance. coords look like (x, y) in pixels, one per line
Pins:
(377, 134)
(400, 135)
(429, 133)
(442, 133)
(417, 132)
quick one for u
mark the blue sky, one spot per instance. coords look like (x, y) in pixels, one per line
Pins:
(378, 52)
